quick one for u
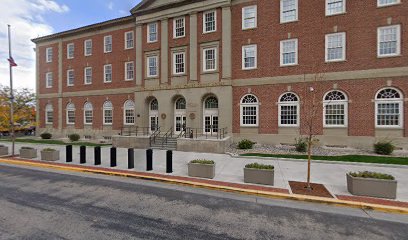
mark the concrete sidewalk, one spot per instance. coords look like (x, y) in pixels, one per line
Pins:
(230, 169)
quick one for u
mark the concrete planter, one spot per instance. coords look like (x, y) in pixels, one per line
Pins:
(28, 153)
(3, 151)
(201, 170)
(259, 176)
(50, 155)
(372, 187)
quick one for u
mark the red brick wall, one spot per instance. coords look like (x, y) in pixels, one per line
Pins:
(148, 47)
(42, 104)
(48, 67)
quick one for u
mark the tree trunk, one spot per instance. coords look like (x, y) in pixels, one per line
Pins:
(309, 161)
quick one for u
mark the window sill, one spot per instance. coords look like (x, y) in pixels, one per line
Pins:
(179, 75)
(289, 65)
(129, 48)
(249, 69)
(248, 29)
(204, 33)
(152, 78)
(107, 82)
(288, 126)
(389, 5)
(389, 56)
(293, 21)
(129, 80)
(152, 42)
(209, 72)
(389, 127)
(107, 52)
(335, 127)
(249, 126)
(336, 14)
(87, 83)
(336, 61)
(179, 37)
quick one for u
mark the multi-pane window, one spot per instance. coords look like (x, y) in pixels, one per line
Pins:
(249, 55)
(289, 10)
(152, 32)
(179, 63)
(249, 15)
(48, 55)
(335, 108)
(210, 59)
(335, 47)
(130, 71)
(389, 41)
(209, 22)
(49, 80)
(289, 52)
(88, 47)
(70, 113)
(108, 113)
(107, 40)
(129, 112)
(152, 66)
(70, 51)
(389, 108)
(382, 3)
(88, 113)
(179, 28)
(249, 111)
(70, 77)
(129, 40)
(88, 75)
(107, 72)
(289, 110)
(49, 114)
(334, 7)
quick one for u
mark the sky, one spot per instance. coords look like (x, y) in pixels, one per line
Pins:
(35, 18)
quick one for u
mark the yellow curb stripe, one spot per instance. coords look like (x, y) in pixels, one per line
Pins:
(275, 195)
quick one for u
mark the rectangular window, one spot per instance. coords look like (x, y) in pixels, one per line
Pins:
(249, 55)
(152, 35)
(334, 7)
(179, 27)
(48, 54)
(209, 22)
(335, 47)
(249, 115)
(210, 59)
(107, 116)
(70, 116)
(88, 47)
(389, 41)
(382, 3)
(88, 75)
(70, 51)
(107, 73)
(152, 66)
(129, 116)
(129, 40)
(389, 114)
(48, 80)
(249, 17)
(179, 63)
(289, 11)
(335, 114)
(130, 71)
(107, 40)
(88, 116)
(288, 115)
(70, 77)
(289, 52)
(49, 117)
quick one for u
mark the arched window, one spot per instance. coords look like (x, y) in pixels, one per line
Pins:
(88, 113)
(154, 105)
(289, 110)
(129, 112)
(154, 115)
(389, 108)
(335, 106)
(49, 114)
(108, 113)
(70, 113)
(211, 115)
(211, 103)
(181, 104)
(249, 111)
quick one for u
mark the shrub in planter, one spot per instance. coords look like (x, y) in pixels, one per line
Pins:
(28, 152)
(201, 168)
(384, 148)
(301, 144)
(50, 154)
(259, 174)
(372, 184)
(74, 137)
(46, 135)
(3, 150)
(245, 144)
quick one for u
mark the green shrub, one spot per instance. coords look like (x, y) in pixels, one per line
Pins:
(245, 144)
(260, 166)
(301, 144)
(374, 175)
(384, 148)
(203, 161)
(28, 148)
(49, 150)
(74, 137)
(46, 135)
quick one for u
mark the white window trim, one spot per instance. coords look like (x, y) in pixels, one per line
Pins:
(174, 63)
(68, 46)
(215, 20)
(68, 71)
(157, 63)
(344, 47)
(174, 27)
(148, 32)
(85, 54)
(46, 80)
(243, 57)
(133, 35)
(401, 110)
(47, 59)
(104, 43)
(124, 114)
(67, 117)
(104, 73)
(281, 52)
(103, 113)
(281, 104)
(85, 76)
(389, 4)
(126, 75)
(334, 14)
(328, 103)
(281, 12)
(243, 17)
(242, 105)
(46, 114)
(215, 58)
(398, 53)
(85, 123)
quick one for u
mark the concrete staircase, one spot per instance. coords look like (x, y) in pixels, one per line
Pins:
(160, 143)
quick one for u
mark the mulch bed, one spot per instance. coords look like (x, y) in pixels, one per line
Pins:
(318, 190)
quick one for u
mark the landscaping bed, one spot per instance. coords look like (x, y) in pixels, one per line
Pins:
(54, 142)
(318, 190)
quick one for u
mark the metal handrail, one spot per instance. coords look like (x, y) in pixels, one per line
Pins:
(134, 131)
(166, 136)
(195, 133)
(153, 136)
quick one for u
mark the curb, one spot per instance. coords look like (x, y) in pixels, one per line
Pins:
(163, 178)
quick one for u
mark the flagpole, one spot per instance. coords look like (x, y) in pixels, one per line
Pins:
(11, 97)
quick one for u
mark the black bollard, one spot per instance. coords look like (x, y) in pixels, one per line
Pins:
(113, 157)
(82, 155)
(131, 158)
(69, 153)
(149, 160)
(169, 160)
(97, 156)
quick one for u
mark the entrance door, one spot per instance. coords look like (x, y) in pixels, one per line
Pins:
(153, 123)
(211, 124)
(210, 114)
(154, 116)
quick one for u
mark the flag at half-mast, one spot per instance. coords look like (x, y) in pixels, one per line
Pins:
(12, 62)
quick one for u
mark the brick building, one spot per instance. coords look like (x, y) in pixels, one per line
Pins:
(266, 70)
